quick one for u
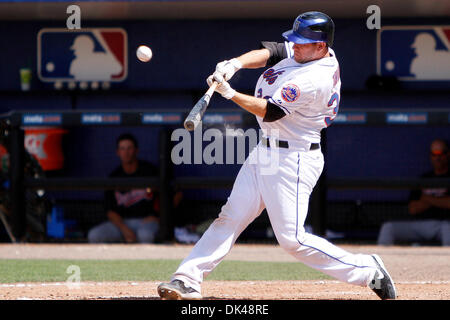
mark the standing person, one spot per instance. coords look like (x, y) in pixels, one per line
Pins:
(429, 207)
(132, 214)
(294, 100)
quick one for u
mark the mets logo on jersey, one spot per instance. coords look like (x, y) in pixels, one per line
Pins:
(96, 54)
(271, 75)
(290, 93)
(414, 53)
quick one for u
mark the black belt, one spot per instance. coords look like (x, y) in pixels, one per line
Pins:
(285, 144)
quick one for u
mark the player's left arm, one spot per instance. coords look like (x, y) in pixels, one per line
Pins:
(277, 51)
(269, 54)
(439, 202)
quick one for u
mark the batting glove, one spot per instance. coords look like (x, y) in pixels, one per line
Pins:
(226, 69)
(223, 88)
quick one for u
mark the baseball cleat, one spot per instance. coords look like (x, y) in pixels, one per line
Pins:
(382, 283)
(176, 290)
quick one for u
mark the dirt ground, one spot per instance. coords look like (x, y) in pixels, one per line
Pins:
(420, 273)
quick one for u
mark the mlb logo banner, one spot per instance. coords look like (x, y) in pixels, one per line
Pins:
(87, 55)
(414, 53)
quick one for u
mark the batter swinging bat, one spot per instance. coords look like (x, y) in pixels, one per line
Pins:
(196, 114)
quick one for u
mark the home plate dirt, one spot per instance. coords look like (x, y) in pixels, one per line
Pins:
(420, 273)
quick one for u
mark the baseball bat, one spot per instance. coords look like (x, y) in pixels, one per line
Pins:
(195, 116)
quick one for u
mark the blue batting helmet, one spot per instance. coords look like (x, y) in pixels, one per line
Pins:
(311, 27)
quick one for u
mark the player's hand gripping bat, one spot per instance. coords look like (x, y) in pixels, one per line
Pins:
(195, 116)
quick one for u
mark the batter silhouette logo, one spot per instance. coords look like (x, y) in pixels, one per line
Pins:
(97, 54)
(414, 53)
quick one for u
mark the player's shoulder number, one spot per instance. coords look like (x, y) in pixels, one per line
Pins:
(334, 100)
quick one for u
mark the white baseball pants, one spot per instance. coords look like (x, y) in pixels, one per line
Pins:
(280, 180)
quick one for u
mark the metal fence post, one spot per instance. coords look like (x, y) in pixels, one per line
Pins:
(17, 160)
(165, 194)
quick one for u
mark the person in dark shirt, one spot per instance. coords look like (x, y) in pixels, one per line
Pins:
(429, 207)
(132, 214)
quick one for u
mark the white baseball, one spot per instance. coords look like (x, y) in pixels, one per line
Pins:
(144, 53)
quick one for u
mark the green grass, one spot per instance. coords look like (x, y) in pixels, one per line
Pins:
(12, 271)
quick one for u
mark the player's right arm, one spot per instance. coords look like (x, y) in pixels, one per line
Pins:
(418, 206)
(438, 202)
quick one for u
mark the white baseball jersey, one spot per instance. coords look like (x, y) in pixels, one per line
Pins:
(308, 93)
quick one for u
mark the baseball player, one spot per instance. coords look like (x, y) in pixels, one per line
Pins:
(294, 100)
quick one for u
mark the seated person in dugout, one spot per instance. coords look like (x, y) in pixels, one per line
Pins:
(429, 208)
(133, 215)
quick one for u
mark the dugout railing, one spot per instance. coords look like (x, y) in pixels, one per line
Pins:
(16, 121)
(167, 120)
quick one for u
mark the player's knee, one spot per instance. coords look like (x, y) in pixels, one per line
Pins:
(146, 237)
(387, 227)
(289, 244)
(147, 234)
(223, 218)
(386, 234)
(94, 236)
(445, 233)
(225, 215)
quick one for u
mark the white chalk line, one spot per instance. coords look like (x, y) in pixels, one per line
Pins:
(73, 285)
(69, 284)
